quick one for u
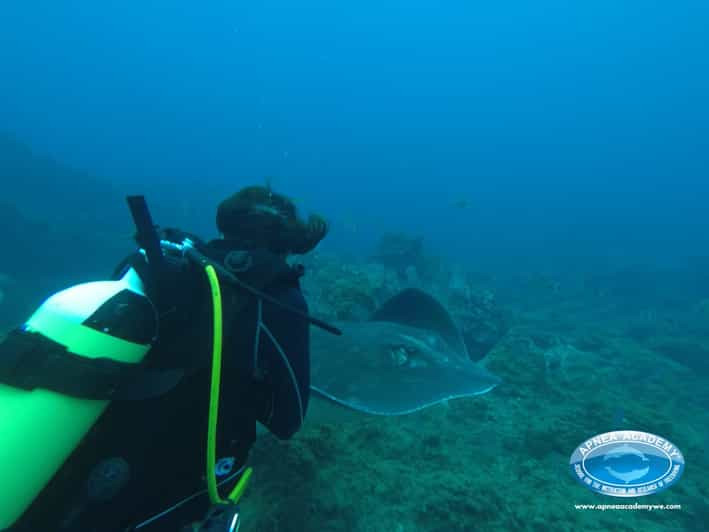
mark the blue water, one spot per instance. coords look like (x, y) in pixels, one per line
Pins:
(571, 129)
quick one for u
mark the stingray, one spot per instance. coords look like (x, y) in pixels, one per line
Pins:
(408, 356)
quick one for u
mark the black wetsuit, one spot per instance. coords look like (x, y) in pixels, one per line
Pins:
(163, 440)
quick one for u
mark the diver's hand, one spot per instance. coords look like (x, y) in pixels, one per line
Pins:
(306, 235)
(317, 227)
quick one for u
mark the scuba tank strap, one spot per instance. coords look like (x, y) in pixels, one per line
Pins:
(30, 360)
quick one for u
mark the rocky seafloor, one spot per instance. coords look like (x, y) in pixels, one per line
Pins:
(576, 360)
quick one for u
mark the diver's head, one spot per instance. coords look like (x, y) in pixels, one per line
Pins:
(257, 217)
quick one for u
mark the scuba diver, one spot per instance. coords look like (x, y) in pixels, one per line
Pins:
(132, 404)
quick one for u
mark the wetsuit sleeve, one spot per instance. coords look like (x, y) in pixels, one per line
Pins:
(284, 347)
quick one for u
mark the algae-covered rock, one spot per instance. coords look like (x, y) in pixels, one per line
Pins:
(405, 255)
(481, 321)
(398, 251)
(348, 290)
(691, 353)
(533, 360)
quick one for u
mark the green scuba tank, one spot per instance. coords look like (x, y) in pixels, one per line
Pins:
(103, 323)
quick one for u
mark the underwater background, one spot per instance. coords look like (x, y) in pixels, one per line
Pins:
(542, 168)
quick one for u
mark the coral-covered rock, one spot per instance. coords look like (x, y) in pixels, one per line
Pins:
(475, 309)
(403, 254)
(347, 290)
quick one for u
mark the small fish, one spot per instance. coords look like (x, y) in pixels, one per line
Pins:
(463, 204)
(618, 418)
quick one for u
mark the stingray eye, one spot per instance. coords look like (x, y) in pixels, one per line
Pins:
(399, 355)
(402, 355)
(410, 351)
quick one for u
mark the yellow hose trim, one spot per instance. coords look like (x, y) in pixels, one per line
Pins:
(215, 384)
(240, 487)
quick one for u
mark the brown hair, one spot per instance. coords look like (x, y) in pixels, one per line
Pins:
(257, 217)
